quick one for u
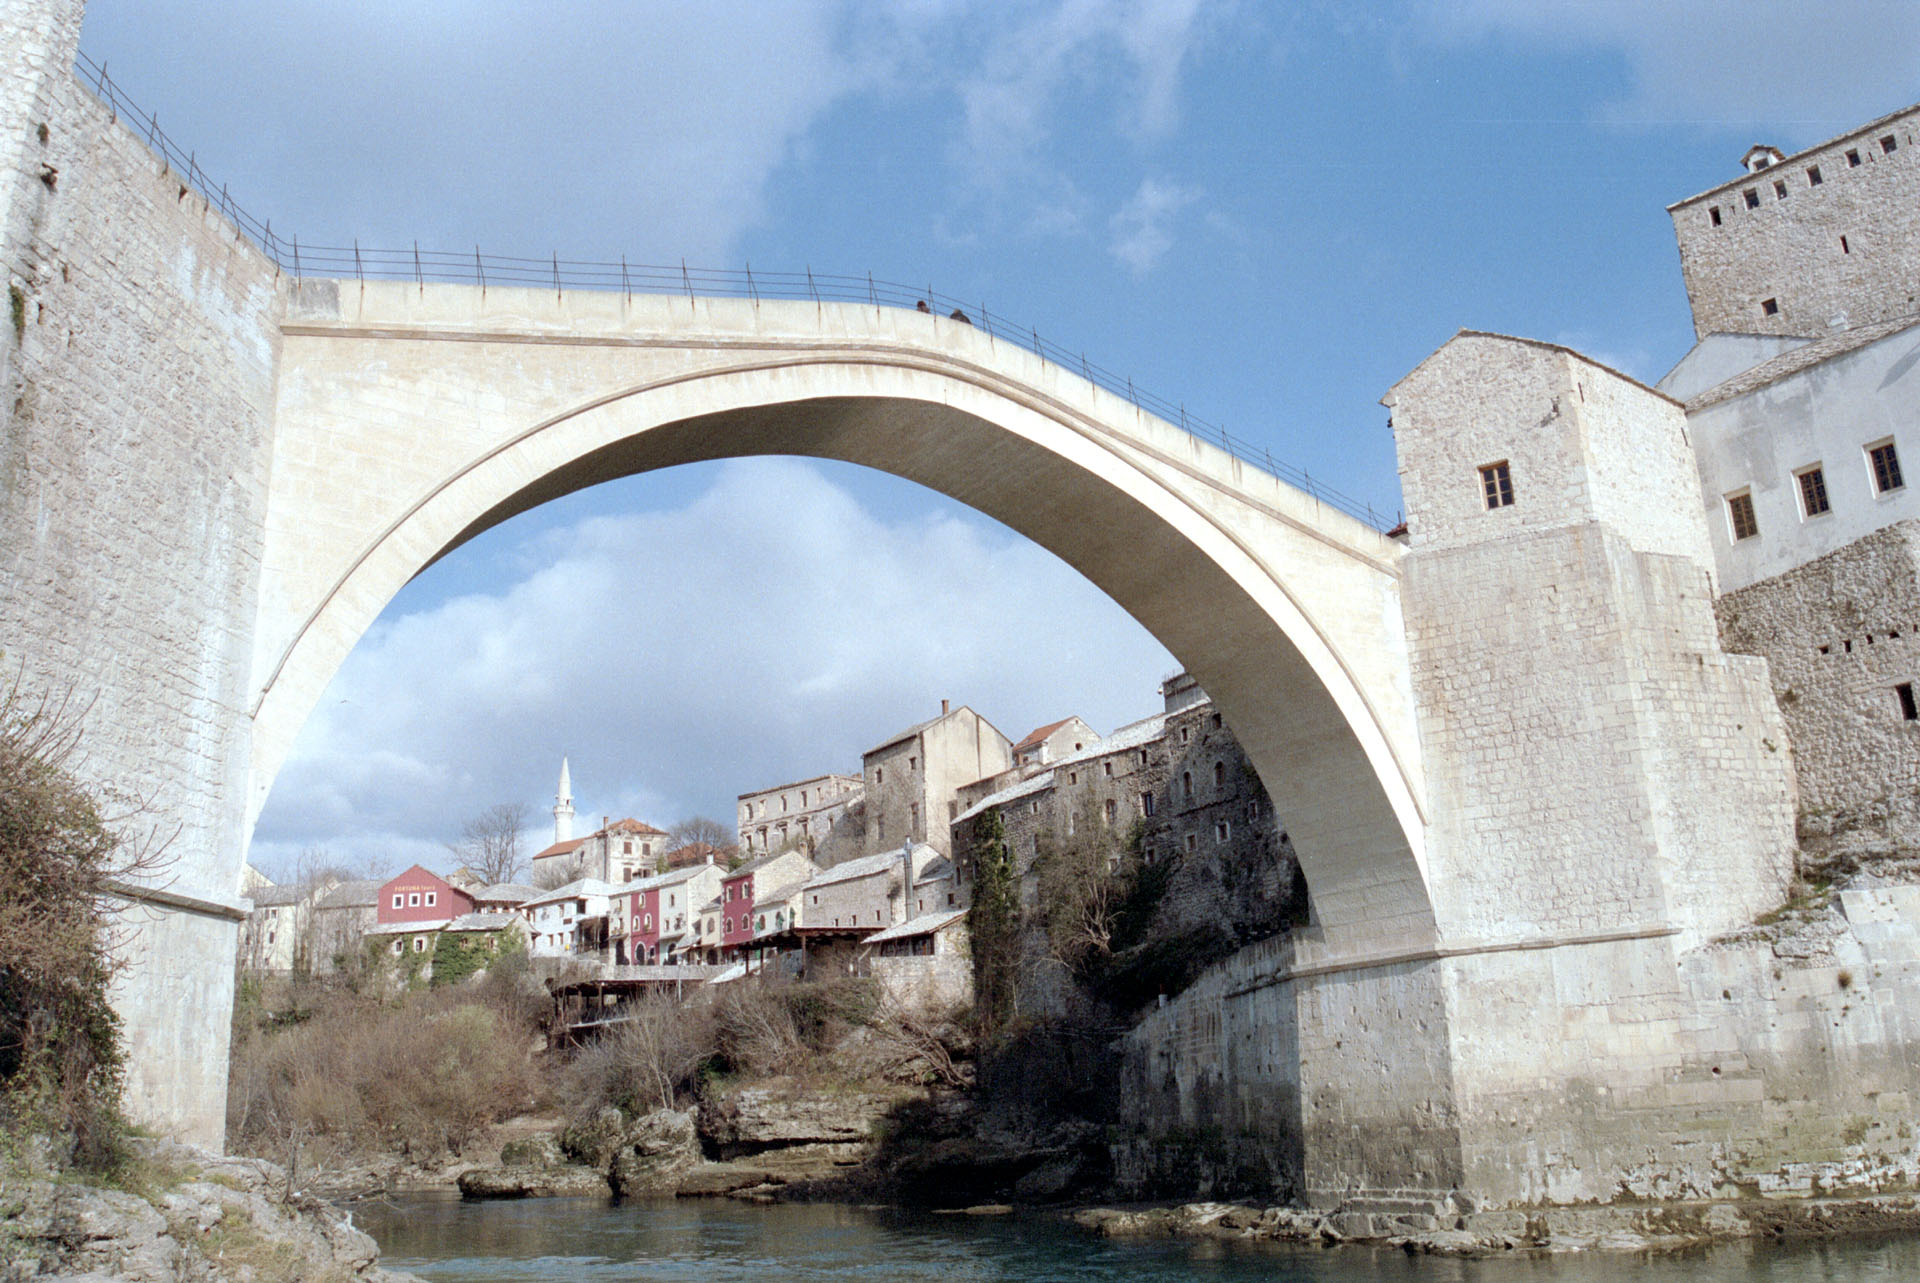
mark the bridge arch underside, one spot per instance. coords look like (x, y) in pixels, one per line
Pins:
(1192, 582)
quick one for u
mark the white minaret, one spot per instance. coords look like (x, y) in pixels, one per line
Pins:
(563, 807)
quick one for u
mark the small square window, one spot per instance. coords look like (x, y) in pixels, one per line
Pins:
(1853, 157)
(1886, 467)
(1713, 215)
(1190, 844)
(1106, 769)
(1813, 176)
(413, 900)
(1496, 485)
(1844, 247)
(1752, 195)
(397, 901)
(1889, 145)
(1908, 709)
(1813, 492)
(1740, 515)
(1779, 189)
(1769, 307)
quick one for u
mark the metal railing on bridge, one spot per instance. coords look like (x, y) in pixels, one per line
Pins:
(425, 266)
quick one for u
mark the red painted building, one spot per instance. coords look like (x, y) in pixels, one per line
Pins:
(420, 896)
(737, 888)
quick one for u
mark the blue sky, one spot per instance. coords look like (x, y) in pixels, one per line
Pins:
(1268, 212)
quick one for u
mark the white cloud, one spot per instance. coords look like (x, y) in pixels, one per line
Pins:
(768, 628)
(1142, 228)
(1012, 101)
(1810, 68)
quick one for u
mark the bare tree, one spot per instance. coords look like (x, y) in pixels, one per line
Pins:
(493, 843)
(699, 830)
(557, 871)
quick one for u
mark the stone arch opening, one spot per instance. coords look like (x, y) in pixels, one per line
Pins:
(1189, 574)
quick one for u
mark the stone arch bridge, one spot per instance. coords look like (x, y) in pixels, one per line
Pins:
(408, 419)
(213, 477)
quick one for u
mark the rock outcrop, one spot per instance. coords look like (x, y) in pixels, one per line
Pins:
(185, 1215)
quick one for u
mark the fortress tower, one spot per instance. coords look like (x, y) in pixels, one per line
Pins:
(1825, 239)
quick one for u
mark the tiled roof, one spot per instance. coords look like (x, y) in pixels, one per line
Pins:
(1039, 733)
(561, 848)
(760, 862)
(631, 825)
(484, 921)
(924, 925)
(1790, 363)
(864, 867)
(362, 893)
(1132, 735)
(288, 893)
(574, 891)
(514, 891)
(406, 928)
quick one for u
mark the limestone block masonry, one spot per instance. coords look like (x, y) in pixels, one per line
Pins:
(1842, 636)
(135, 439)
(1821, 240)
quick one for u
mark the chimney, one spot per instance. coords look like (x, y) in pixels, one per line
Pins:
(943, 708)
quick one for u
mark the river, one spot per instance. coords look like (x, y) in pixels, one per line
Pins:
(442, 1238)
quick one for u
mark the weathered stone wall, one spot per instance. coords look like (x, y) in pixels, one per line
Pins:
(133, 478)
(1839, 634)
(1788, 248)
(1594, 763)
(1771, 1063)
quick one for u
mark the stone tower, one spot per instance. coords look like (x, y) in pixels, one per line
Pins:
(563, 807)
(1825, 239)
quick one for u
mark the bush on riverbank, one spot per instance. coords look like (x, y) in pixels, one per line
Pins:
(325, 1072)
(60, 1048)
(820, 1034)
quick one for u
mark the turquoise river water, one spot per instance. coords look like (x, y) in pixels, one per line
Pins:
(442, 1238)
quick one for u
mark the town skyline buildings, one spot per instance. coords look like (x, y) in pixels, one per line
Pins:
(1266, 217)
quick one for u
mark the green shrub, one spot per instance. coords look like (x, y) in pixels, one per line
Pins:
(61, 1058)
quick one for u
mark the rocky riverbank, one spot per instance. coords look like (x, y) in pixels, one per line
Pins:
(1436, 1228)
(179, 1213)
(749, 1143)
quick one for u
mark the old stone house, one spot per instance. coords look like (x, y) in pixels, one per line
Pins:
(913, 780)
(819, 817)
(1802, 404)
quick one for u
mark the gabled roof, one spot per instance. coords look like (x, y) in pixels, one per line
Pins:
(561, 848)
(362, 893)
(672, 877)
(1790, 363)
(1132, 735)
(924, 925)
(484, 921)
(406, 928)
(631, 825)
(1542, 344)
(515, 892)
(866, 866)
(272, 896)
(760, 862)
(573, 891)
(1040, 733)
